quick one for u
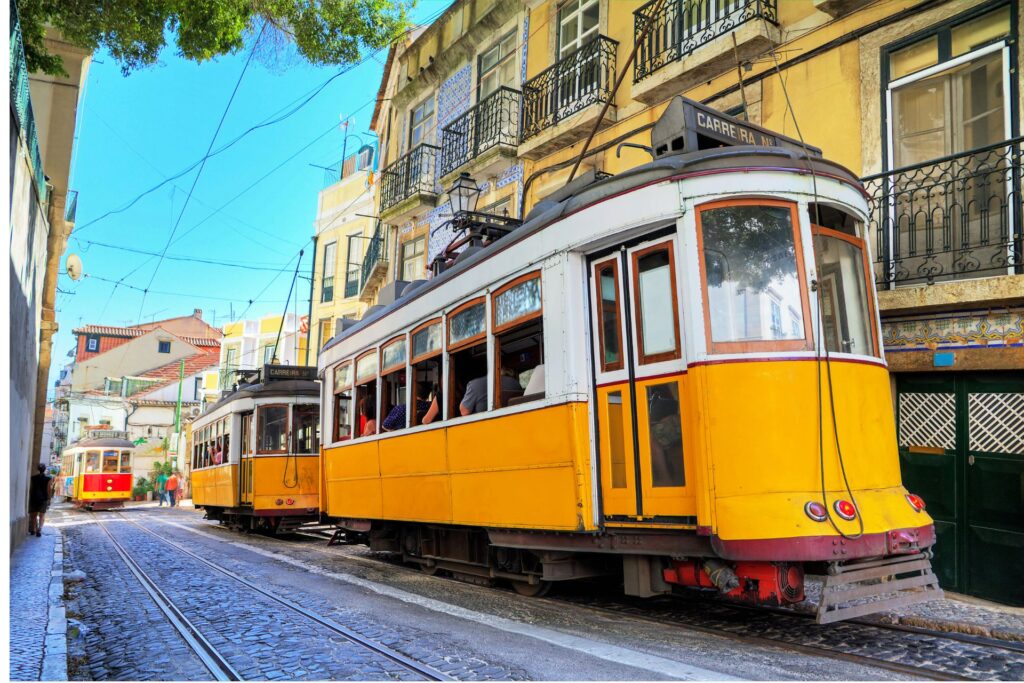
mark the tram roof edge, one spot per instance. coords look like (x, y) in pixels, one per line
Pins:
(573, 197)
(288, 387)
(102, 443)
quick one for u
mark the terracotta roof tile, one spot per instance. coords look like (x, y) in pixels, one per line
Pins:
(130, 332)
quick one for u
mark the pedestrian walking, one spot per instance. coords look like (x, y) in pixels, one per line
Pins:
(40, 491)
(171, 486)
(160, 487)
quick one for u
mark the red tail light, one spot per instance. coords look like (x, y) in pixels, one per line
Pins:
(845, 509)
(915, 501)
(816, 511)
(290, 501)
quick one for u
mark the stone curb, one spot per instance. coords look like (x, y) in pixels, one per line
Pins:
(55, 652)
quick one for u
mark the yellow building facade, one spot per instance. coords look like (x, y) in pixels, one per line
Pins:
(251, 344)
(920, 100)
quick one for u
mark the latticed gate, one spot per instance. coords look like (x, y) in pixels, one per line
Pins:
(961, 441)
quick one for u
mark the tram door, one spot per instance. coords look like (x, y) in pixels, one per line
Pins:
(641, 385)
(245, 461)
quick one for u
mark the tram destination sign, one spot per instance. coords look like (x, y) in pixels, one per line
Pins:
(689, 126)
(273, 373)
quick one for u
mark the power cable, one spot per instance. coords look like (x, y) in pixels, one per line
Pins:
(189, 259)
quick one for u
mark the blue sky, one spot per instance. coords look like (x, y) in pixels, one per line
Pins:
(135, 131)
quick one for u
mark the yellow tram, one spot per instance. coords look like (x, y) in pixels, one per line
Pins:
(674, 373)
(97, 471)
(255, 452)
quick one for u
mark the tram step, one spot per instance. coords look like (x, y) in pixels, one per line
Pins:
(854, 589)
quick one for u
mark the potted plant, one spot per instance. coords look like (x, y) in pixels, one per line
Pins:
(141, 488)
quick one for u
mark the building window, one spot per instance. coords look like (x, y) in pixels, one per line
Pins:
(92, 343)
(364, 157)
(231, 358)
(353, 267)
(498, 66)
(268, 354)
(327, 288)
(165, 347)
(198, 389)
(577, 24)
(413, 260)
(325, 331)
(422, 122)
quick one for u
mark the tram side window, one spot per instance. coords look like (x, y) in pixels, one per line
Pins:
(519, 342)
(657, 304)
(110, 462)
(343, 402)
(609, 330)
(273, 429)
(393, 408)
(467, 359)
(126, 462)
(246, 433)
(665, 434)
(366, 394)
(92, 462)
(426, 373)
(305, 422)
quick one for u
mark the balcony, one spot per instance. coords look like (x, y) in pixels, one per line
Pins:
(567, 92)
(352, 280)
(681, 48)
(955, 218)
(487, 134)
(409, 184)
(327, 290)
(374, 270)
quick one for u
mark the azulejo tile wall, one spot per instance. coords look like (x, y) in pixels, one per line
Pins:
(959, 330)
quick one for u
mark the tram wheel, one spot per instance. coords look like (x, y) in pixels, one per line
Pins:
(430, 569)
(531, 590)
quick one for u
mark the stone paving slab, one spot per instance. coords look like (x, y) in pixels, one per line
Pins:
(38, 642)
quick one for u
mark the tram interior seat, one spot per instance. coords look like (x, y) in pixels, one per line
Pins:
(520, 351)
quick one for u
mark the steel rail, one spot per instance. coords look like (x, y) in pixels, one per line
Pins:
(211, 658)
(427, 672)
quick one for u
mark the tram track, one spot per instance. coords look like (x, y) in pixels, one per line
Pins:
(215, 662)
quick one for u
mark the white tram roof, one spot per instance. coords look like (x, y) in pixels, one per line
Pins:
(275, 389)
(588, 190)
(102, 443)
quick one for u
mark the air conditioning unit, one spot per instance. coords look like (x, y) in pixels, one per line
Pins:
(194, 411)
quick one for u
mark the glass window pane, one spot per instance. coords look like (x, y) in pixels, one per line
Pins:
(426, 340)
(394, 354)
(567, 9)
(126, 462)
(92, 461)
(914, 58)
(342, 376)
(489, 58)
(508, 45)
(845, 315)
(273, 428)
(609, 302)
(517, 301)
(978, 88)
(366, 366)
(981, 31)
(467, 323)
(657, 311)
(750, 265)
(111, 461)
(616, 440)
(305, 420)
(919, 121)
(590, 17)
(568, 39)
(665, 431)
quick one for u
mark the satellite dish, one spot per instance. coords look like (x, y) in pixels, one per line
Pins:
(74, 266)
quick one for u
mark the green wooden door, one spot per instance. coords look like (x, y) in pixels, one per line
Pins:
(961, 442)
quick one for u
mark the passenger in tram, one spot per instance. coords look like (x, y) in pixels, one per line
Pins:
(367, 417)
(475, 399)
(396, 416)
(217, 455)
(433, 409)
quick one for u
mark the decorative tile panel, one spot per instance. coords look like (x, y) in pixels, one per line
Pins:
(970, 329)
(927, 419)
(996, 422)
(454, 97)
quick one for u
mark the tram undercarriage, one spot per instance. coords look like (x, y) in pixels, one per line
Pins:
(269, 522)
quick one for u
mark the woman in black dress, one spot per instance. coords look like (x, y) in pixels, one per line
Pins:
(39, 492)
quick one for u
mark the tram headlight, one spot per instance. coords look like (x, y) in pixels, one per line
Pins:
(916, 502)
(845, 509)
(816, 511)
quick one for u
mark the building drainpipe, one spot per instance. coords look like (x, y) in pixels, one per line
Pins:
(312, 290)
(56, 242)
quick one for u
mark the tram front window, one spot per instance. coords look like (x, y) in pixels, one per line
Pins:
(752, 276)
(305, 419)
(110, 462)
(273, 428)
(845, 312)
(92, 462)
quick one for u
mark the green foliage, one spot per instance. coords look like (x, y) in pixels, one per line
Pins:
(134, 31)
(142, 487)
(749, 245)
(164, 468)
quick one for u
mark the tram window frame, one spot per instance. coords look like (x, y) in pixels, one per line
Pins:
(516, 325)
(599, 268)
(643, 357)
(125, 456)
(855, 239)
(95, 467)
(393, 380)
(246, 429)
(313, 410)
(365, 389)
(261, 412)
(117, 461)
(806, 343)
(428, 362)
(462, 347)
(342, 392)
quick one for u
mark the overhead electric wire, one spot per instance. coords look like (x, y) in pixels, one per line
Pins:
(191, 259)
(118, 283)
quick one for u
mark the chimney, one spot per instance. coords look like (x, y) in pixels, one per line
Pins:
(198, 313)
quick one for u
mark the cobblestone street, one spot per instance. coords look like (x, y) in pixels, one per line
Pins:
(117, 631)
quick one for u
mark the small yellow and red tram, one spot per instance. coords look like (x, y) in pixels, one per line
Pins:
(98, 472)
(255, 452)
(674, 373)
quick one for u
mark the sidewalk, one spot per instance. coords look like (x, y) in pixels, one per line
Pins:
(38, 621)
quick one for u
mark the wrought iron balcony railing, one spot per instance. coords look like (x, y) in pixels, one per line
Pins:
(411, 174)
(376, 255)
(953, 218)
(353, 280)
(569, 85)
(681, 26)
(327, 290)
(21, 103)
(492, 121)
